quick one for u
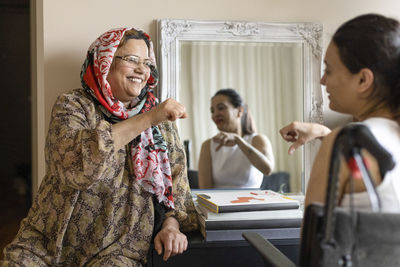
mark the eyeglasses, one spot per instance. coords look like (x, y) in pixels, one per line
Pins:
(134, 61)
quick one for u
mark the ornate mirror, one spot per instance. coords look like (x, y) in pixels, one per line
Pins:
(275, 67)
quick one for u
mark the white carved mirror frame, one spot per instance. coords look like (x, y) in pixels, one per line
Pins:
(173, 31)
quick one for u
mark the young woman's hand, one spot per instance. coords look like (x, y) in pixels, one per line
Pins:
(300, 133)
(225, 139)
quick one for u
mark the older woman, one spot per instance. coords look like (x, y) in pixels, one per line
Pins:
(115, 167)
(237, 156)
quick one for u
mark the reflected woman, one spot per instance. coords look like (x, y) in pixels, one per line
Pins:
(237, 156)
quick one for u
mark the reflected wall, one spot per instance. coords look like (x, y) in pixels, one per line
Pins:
(276, 67)
(268, 76)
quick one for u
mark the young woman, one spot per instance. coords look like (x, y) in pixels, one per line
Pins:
(362, 78)
(237, 156)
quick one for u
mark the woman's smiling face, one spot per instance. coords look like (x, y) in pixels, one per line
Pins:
(225, 116)
(340, 83)
(127, 79)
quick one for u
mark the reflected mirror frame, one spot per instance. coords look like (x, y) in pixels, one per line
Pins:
(171, 32)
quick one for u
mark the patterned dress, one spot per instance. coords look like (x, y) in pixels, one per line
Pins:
(90, 210)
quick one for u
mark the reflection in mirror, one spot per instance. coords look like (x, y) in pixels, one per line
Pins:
(269, 78)
(274, 67)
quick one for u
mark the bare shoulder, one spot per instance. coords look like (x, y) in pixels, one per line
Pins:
(260, 140)
(325, 149)
(262, 143)
(206, 145)
(317, 183)
(329, 140)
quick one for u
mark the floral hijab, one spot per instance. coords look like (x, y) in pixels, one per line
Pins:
(148, 151)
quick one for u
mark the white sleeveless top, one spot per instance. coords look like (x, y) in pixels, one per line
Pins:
(231, 168)
(387, 133)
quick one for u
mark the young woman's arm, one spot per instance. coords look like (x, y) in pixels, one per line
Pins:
(205, 166)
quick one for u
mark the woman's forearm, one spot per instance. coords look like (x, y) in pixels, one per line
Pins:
(170, 222)
(263, 162)
(125, 131)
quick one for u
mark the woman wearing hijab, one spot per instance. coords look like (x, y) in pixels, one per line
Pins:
(115, 167)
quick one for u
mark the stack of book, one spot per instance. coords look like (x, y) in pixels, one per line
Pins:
(224, 215)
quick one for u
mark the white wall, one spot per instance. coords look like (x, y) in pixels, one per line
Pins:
(70, 26)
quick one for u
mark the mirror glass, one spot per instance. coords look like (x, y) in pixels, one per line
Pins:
(274, 67)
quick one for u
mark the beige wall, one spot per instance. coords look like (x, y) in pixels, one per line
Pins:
(70, 26)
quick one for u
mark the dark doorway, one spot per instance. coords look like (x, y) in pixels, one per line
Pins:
(15, 118)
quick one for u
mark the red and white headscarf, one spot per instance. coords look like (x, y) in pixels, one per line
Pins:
(148, 151)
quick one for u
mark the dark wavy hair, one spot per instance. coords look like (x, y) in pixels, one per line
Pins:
(373, 41)
(236, 100)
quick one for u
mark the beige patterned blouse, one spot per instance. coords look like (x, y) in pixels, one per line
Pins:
(90, 211)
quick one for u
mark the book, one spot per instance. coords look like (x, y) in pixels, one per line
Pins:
(251, 219)
(245, 200)
(261, 214)
(229, 235)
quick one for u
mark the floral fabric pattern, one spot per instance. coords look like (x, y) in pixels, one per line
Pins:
(90, 209)
(151, 163)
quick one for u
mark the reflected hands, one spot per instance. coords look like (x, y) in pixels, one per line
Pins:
(170, 110)
(225, 139)
(300, 133)
(170, 239)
